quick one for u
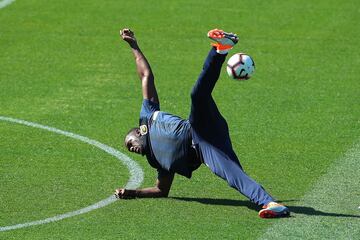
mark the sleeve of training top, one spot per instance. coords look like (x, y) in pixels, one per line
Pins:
(163, 173)
(147, 108)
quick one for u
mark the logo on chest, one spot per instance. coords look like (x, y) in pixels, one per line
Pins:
(143, 130)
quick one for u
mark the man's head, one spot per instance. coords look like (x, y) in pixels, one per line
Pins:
(135, 142)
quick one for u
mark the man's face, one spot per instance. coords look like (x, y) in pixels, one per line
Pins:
(133, 143)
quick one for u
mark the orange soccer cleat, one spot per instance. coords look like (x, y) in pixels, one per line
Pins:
(274, 210)
(223, 41)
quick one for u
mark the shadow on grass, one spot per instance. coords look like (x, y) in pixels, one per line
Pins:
(240, 203)
(220, 201)
(313, 212)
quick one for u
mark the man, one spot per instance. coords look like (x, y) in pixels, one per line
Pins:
(174, 145)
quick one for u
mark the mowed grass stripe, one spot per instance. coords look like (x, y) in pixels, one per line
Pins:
(330, 210)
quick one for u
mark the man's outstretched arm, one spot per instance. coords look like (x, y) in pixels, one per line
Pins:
(142, 65)
(161, 189)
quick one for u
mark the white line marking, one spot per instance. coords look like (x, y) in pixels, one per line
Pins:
(135, 180)
(328, 211)
(4, 3)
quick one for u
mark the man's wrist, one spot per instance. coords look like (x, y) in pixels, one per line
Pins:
(135, 193)
(132, 193)
(134, 45)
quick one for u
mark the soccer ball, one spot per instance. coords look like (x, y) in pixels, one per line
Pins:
(240, 66)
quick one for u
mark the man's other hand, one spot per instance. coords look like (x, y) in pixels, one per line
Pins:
(123, 193)
(127, 35)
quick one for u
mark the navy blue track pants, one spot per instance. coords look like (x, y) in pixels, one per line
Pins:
(210, 131)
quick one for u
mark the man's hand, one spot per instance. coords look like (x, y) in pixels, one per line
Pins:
(123, 193)
(127, 35)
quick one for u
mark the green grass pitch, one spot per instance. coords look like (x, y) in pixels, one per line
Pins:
(294, 125)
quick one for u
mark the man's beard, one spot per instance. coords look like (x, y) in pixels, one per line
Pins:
(143, 143)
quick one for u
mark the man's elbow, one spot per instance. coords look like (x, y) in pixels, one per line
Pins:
(163, 193)
(147, 77)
